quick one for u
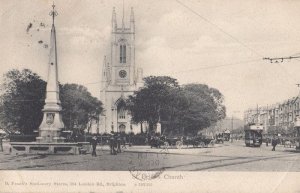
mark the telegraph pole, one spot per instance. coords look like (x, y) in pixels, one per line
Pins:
(232, 119)
(231, 122)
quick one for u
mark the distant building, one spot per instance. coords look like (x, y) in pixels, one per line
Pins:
(279, 117)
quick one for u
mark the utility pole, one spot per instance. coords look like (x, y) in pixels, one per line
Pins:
(257, 113)
(232, 119)
(231, 122)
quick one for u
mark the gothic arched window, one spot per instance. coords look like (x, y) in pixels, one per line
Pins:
(122, 112)
(122, 53)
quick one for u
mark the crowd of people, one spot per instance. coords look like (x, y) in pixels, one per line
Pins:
(116, 142)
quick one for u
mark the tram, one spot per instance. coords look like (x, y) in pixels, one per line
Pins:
(297, 127)
(226, 135)
(253, 135)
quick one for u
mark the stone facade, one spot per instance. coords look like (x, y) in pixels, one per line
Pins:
(120, 78)
(280, 116)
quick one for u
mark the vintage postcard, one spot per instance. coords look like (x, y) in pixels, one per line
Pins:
(149, 96)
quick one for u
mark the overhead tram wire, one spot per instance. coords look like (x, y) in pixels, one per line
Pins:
(229, 35)
(281, 59)
(219, 28)
(216, 66)
(297, 54)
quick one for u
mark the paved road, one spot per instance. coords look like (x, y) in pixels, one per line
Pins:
(225, 157)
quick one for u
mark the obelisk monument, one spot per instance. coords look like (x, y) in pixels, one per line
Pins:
(52, 124)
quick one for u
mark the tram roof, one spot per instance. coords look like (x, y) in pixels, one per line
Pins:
(255, 127)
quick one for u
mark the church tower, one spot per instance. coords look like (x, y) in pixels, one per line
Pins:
(120, 76)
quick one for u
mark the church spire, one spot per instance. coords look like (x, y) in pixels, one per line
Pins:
(132, 26)
(123, 24)
(132, 15)
(114, 20)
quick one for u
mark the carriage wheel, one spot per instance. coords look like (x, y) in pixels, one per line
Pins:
(202, 144)
(166, 145)
(123, 147)
(179, 144)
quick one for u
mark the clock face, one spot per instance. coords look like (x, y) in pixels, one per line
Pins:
(122, 73)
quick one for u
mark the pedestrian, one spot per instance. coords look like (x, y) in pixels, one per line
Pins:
(274, 143)
(1, 144)
(119, 143)
(267, 142)
(112, 144)
(124, 142)
(94, 145)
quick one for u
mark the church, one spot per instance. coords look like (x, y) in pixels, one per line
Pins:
(120, 77)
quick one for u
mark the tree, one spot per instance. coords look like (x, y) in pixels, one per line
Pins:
(205, 107)
(22, 100)
(151, 101)
(80, 109)
(191, 107)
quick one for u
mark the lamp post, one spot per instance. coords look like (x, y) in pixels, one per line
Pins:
(112, 119)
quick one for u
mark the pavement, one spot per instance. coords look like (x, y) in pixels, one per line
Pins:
(220, 157)
(185, 150)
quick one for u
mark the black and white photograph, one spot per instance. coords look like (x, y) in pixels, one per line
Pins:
(151, 91)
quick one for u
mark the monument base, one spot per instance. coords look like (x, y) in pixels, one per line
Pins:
(49, 148)
(47, 139)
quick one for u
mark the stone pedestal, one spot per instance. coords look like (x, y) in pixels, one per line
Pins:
(50, 128)
(45, 148)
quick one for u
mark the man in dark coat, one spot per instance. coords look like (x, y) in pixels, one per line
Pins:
(113, 144)
(274, 143)
(94, 145)
(119, 140)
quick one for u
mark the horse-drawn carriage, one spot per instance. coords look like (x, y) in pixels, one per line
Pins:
(156, 141)
(166, 142)
(199, 141)
(180, 141)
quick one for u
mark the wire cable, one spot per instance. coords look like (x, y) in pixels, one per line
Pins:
(219, 28)
(216, 66)
(228, 34)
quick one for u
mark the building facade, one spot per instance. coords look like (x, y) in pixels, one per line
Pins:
(121, 76)
(279, 117)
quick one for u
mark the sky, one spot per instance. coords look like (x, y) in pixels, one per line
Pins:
(218, 43)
